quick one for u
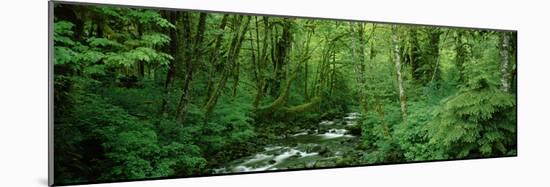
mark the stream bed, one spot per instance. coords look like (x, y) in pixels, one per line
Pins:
(324, 146)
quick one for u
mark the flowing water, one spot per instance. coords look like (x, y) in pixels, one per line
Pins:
(322, 146)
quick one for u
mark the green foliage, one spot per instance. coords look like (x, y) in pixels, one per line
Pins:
(479, 121)
(133, 90)
(377, 135)
(412, 135)
(138, 102)
(232, 121)
(93, 55)
(130, 147)
(63, 51)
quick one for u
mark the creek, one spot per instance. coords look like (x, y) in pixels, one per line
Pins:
(325, 145)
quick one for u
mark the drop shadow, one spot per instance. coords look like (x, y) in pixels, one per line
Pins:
(42, 181)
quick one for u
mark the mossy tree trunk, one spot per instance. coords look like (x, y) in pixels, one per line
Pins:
(505, 61)
(432, 54)
(192, 52)
(214, 58)
(358, 56)
(397, 61)
(173, 17)
(462, 54)
(260, 59)
(241, 28)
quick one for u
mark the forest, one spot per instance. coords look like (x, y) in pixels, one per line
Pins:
(147, 93)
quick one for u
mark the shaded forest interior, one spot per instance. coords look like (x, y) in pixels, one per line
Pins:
(143, 93)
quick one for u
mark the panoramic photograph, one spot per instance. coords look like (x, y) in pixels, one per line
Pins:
(142, 93)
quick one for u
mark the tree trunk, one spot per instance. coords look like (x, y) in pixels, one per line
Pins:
(262, 59)
(433, 53)
(397, 61)
(304, 107)
(461, 56)
(279, 56)
(255, 55)
(141, 63)
(505, 62)
(413, 58)
(281, 99)
(379, 107)
(192, 53)
(306, 56)
(359, 60)
(232, 57)
(214, 59)
(323, 68)
(438, 59)
(236, 78)
(306, 94)
(174, 50)
(332, 74)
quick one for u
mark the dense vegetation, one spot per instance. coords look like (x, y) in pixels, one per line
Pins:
(155, 93)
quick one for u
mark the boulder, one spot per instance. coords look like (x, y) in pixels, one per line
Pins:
(324, 151)
(316, 148)
(310, 164)
(354, 130)
(324, 163)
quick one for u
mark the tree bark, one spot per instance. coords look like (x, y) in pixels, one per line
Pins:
(236, 78)
(359, 60)
(379, 107)
(262, 59)
(306, 69)
(303, 107)
(214, 58)
(414, 59)
(189, 64)
(280, 52)
(306, 56)
(433, 53)
(332, 74)
(232, 57)
(461, 56)
(323, 70)
(174, 50)
(438, 59)
(397, 61)
(505, 62)
(281, 99)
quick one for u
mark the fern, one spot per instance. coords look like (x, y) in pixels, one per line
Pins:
(479, 121)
